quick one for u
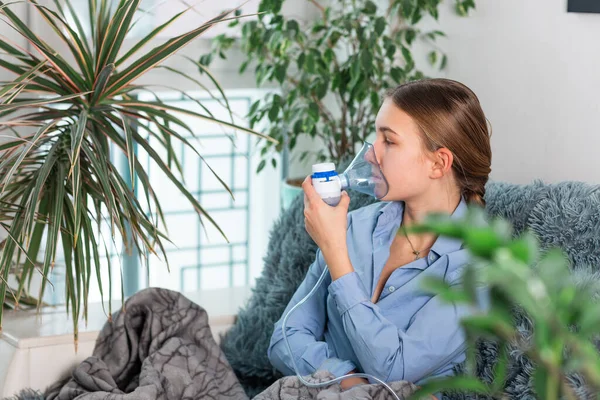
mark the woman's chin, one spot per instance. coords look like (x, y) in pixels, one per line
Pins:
(387, 197)
(392, 197)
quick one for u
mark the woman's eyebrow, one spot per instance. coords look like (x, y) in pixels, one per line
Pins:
(387, 129)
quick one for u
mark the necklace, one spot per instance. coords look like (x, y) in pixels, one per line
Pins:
(417, 253)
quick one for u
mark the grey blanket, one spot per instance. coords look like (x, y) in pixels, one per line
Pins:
(290, 388)
(161, 347)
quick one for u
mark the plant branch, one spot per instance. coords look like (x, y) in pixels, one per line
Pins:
(344, 123)
(362, 113)
(319, 6)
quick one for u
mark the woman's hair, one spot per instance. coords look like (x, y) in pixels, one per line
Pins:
(449, 115)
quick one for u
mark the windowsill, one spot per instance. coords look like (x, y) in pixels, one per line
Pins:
(29, 329)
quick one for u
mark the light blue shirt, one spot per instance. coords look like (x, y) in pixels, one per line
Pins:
(407, 335)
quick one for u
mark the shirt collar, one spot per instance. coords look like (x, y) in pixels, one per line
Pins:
(390, 212)
(393, 211)
(444, 244)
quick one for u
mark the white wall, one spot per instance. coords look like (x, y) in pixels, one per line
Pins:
(536, 70)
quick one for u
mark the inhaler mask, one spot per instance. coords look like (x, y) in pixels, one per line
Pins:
(363, 175)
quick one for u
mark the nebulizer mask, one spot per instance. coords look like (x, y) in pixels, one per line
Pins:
(363, 175)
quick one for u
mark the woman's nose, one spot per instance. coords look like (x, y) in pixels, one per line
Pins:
(376, 152)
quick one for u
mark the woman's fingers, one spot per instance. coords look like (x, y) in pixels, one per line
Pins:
(309, 190)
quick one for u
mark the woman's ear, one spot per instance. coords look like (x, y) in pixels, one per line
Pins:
(442, 162)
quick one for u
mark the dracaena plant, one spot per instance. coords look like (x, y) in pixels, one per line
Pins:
(522, 283)
(59, 121)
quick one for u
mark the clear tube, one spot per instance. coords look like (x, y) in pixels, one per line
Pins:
(431, 370)
(332, 381)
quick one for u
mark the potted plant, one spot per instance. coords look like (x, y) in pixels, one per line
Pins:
(542, 320)
(329, 72)
(59, 120)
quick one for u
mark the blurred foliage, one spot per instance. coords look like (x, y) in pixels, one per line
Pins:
(520, 279)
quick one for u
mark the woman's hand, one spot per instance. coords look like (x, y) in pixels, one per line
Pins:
(353, 381)
(325, 224)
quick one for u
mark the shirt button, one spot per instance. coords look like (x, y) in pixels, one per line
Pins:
(392, 289)
(431, 258)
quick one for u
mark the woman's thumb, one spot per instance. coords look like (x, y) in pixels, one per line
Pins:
(345, 201)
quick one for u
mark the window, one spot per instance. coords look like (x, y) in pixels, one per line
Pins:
(199, 258)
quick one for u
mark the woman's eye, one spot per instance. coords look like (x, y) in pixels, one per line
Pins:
(387, 141)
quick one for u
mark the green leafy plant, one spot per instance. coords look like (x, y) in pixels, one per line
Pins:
(331, 70)
(565, 314)
(57, 182)
(25, 300)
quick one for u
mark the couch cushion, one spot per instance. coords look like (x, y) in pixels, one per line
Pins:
(513, 202)
(568, 216)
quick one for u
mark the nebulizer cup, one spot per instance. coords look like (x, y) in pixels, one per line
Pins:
(362, 175)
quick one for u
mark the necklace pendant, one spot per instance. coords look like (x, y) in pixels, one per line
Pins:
(416, 253)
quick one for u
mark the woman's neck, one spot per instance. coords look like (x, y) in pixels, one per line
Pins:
(416, 210)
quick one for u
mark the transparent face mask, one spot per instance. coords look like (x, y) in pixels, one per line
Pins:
(364, 174)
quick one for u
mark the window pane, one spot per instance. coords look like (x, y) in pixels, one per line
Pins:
(200, 257)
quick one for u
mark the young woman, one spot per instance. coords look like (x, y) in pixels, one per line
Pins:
(370, 314)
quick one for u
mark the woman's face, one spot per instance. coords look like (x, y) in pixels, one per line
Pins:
(405, 162)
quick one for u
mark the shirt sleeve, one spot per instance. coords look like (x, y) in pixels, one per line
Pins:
(433, 339)
(305, 329)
